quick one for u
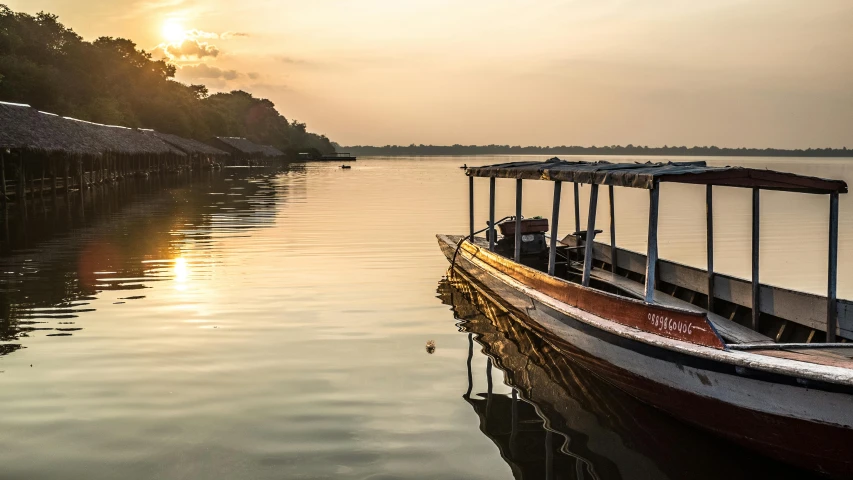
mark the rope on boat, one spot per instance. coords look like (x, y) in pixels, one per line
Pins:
(471, 237)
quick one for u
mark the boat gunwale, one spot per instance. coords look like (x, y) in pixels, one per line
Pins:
(738, 358)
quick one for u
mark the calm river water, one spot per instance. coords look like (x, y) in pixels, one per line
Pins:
(252, 324)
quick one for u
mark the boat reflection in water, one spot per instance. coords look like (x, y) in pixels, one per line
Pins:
(561, 422)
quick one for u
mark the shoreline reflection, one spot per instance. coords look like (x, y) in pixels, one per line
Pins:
(126, 237)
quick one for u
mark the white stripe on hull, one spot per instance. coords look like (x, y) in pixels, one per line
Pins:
(761, 396)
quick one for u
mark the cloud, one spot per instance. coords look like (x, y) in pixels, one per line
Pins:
(190, 49)
(195, 33)
(204, 71)
(254, 75)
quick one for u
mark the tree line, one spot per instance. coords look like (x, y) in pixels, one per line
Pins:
(392, 150)
(111, 81)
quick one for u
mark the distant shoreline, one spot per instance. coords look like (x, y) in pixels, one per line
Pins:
(439, 150)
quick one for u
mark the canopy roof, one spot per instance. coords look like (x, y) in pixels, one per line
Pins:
(646, 175)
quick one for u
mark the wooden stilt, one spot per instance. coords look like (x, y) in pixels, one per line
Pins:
(43, 174)
(590, 234)
(66, 163)
(22, 182)
(3, 179)
(82, 174)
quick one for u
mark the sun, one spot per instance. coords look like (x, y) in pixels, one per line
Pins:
(173, 32)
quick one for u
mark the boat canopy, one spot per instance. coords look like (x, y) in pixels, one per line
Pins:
(647, 175)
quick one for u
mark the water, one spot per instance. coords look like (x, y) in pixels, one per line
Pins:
(254, 324)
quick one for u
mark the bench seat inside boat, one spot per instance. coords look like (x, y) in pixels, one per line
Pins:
(731, 331)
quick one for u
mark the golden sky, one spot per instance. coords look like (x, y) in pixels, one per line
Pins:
(584, 72)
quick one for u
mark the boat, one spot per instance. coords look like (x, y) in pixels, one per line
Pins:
(559, 418)
(766, 367)
(346, 167)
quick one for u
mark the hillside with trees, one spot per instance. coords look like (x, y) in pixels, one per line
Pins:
(111, 81)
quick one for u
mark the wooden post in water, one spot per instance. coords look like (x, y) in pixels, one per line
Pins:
(555, 223)
(756, 279)
(67, 177)
(43, 171)
(3, 179)
(613, 260)
(53, 175)
(709, 230)
(652, 247)
(82, 174)
(471, 207)
(832, 277)
(492, 214)
(590, 234)
(517, 254)
(21, 193)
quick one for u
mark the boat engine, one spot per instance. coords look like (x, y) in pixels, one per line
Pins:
(532, 237)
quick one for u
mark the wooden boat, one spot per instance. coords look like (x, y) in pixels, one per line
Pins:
(560, 418)
(680, 349)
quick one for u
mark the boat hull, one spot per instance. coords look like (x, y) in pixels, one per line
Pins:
(784, 417)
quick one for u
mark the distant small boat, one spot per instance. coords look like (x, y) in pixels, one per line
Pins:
(346, 167)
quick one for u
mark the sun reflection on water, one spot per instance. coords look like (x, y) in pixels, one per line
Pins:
(182, 273)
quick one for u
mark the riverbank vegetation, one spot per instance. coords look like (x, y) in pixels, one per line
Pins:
(392, 150)
(111, 81)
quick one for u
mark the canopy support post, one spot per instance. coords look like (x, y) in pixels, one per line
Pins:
(577, 208)
(709, 219)
(555, 216)
(590, 234)
(832, 276)
(756, 285)
(652, 248)
(613, 249)
(517, 255)
(471, 207)
(492, 214)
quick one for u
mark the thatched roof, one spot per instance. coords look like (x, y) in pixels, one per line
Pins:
(187, 145)
(25, 128)
(271, 151)
(246, 147)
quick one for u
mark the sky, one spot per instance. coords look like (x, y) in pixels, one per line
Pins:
(753, 73)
